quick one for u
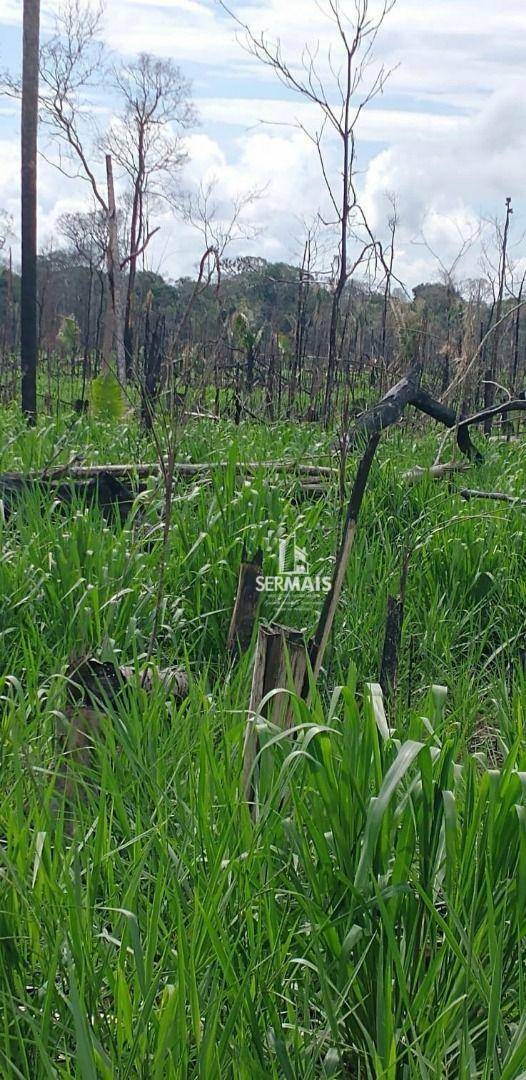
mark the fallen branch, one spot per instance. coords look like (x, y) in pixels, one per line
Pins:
(389, 410)
(515, 405)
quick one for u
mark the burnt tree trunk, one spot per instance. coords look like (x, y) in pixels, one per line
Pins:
(246, 605)
(28, 304)
(280, 663)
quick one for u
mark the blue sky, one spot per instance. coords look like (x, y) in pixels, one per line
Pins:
(448, 136)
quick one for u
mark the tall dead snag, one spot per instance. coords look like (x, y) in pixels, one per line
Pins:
(280, 663)
(114, 276)
(155, 105)
(490, 374)
(245, 607)
(29, 129)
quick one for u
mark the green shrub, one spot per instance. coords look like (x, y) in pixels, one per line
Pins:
(106, 397)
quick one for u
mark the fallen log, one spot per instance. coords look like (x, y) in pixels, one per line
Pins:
(143, 471)
(419, 472)
(114, 487)
(497, 496)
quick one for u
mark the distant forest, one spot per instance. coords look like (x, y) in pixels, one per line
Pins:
(264, 326)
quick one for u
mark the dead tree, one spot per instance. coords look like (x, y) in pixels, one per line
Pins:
(491, 370)
(143, 143)
(153, 94)
(340, 99)
(115, 276)
(389, 263)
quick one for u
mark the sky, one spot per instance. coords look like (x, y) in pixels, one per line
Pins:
(447, 137)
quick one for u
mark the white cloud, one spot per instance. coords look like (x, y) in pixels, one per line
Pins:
(450, 125)
(448, 181)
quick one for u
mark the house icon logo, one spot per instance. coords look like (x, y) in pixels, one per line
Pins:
(293, 572)
(297, 565)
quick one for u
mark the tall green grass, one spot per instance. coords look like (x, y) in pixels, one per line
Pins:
(370, 923)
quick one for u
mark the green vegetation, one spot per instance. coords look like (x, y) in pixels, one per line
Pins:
(371, 922)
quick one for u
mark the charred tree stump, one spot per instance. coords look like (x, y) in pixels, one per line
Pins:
(245, 607)
(393, 637)
(93, 688)
(391, 649)
(280, 663)
(103, 489)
